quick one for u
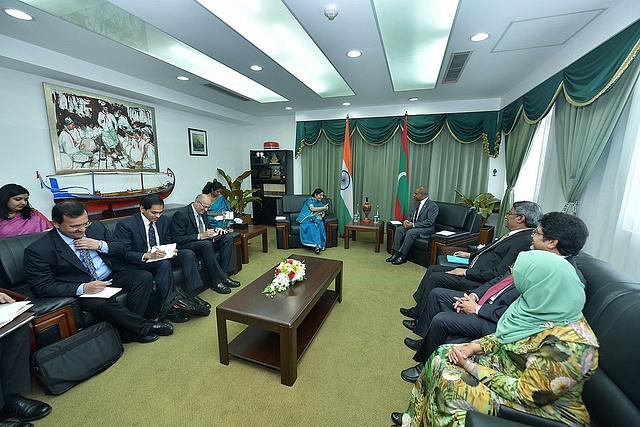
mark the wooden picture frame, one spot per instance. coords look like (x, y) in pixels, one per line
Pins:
(198, 142)
(92, 132)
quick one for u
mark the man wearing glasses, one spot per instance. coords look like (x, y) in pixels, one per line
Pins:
(78, 258)
(190, 230)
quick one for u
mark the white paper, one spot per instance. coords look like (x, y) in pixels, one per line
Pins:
(107, 292)
(446, 232)
(169, 249)
(228, 216)
(395, 222)
(11, 310)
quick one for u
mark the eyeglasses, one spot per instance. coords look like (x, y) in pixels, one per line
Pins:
(535, 231)
(80, 227)
(511, 213)
(203, 205)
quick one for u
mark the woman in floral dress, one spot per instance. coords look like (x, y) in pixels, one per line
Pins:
(537, 362)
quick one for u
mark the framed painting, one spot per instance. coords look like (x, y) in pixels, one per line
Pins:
(99, 133)
(197, 142)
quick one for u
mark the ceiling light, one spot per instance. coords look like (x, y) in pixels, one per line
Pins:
(288, 108)
(270, 26)
(354, 54)
(346, 104)
(19, 14)
(183, 78)
(256, 68)
(479, 37)
(428, 22)
(413, 98)
(331, 12)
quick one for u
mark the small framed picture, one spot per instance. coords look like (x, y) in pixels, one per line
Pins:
(197, 142)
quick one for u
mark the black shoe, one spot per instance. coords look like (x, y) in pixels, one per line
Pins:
(412, 344)
(161, 328)
(202, 302)
(399, 260)
(175, 316)
(230, 283)
(316, 250)
(25, 409)
(409, 324)
(392, 257)
(409, 312)
(396, 418)
(15, 424)
(411, 375)
(191, 308)
(221, 289)
(142, 339)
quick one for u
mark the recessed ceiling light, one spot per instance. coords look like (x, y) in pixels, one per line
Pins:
(183, 78)
(19, 14)
(256, 68)
(413, 98)
(288, 108)
(346, 104)
(354, 54)
(479, 37)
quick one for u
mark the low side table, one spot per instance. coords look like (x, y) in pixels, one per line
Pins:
(249, 233)
(351, 228)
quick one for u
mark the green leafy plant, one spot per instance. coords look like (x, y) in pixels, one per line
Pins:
(238, 198)
(485, 203)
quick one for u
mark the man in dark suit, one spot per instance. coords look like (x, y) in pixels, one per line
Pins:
(15, 377)
(421, 224)
(78, 258)
(475, 314)
(190, 230)
(141, 234)
(484, 265)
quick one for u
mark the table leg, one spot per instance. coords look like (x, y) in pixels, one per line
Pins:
(346, 238)
(288, 356)
(265, 242)
(245, 249)
(378, 236)
(338, 285)
(223, 345)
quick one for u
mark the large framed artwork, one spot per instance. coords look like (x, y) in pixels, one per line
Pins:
(96, 132)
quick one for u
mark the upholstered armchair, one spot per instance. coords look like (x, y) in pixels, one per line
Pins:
(288, 230)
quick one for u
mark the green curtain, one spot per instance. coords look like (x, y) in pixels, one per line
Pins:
(582, 133)
(443, 166)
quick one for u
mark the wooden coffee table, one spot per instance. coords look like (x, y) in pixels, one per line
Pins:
(249, 233)
(280, 329)
(351, 228)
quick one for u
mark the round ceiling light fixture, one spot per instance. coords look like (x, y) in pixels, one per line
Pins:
(413, 98)
(331, 12)
(256, 68)
(183, 78)
(479, 37)
(354, 54)
(18, 14)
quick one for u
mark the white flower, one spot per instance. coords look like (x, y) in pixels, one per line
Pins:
(288, 272)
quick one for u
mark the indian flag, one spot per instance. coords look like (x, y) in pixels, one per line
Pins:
(402, 192)
(345, 210)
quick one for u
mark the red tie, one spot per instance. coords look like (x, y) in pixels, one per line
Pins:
(495, 289)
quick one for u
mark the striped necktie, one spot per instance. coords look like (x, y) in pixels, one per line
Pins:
(201, 226)
(152, 236)
(85, 257)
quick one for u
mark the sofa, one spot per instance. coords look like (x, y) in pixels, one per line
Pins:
(288, 230)
(59, 317)
(458, 225)
(612, 395)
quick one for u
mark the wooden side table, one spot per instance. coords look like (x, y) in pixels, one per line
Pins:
(249, 233)
(351, 228)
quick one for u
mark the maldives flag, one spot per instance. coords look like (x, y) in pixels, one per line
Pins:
(402, 193)
(345, 210)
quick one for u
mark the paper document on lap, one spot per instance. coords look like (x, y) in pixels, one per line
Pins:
(169, 249)
(11, 310)
(107, 292)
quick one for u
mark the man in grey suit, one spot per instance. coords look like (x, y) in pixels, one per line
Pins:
(421, 224)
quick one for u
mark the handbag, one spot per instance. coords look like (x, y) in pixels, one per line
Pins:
(65, 363)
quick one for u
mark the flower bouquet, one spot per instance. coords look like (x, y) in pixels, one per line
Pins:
(288, 272)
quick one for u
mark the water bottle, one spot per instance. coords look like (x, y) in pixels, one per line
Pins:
(376, 217)
(356, 214)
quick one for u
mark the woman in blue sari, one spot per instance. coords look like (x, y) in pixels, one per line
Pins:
(311, 222)
(219, 205)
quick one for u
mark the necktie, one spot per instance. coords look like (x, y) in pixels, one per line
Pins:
(483, 250)
(495, 289)
(415, 213)
(152, 236)
(201, 226)
(85, 257)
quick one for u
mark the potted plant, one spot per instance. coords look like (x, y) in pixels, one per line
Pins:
(238, 198)
(485, 203)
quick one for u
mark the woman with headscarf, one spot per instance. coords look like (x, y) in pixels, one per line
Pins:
(16, 214)
(537, 362)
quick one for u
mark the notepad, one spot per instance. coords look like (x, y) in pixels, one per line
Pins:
(458, 259)
(107, 292)
(11, 310)
(169, 249)
(446, 232)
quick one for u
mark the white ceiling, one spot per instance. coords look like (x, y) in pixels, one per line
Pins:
(529, 42)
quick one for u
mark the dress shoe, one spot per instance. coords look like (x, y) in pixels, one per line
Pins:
(202, 302)
(25, 409)
(409, 324)
(412, 344)
(15, 424)
(396, 418)
(230, 283)
(221, 289)
(161, 328)
(392, 257)
(411, 375)
(399, 260)
(408, 312)
(176, 316)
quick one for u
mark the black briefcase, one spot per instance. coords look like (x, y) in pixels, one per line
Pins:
(65, 363)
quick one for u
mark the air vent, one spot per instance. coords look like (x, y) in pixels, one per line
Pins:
(456, 65)
(226, 92)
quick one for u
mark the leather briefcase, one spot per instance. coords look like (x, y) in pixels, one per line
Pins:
(61, 365)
